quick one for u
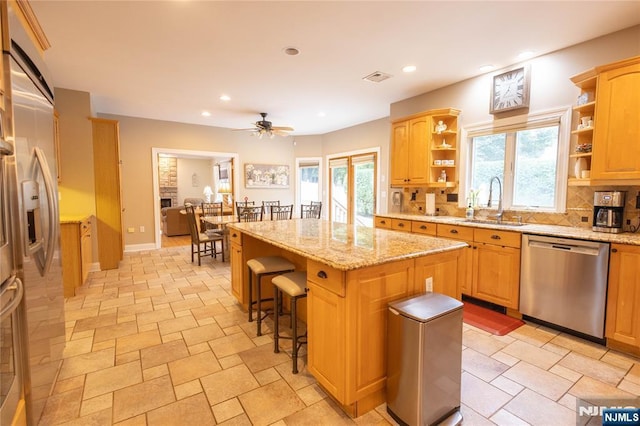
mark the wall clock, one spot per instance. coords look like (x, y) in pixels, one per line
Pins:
(510, 90)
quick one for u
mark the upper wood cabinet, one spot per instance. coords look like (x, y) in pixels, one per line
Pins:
(616, 150)
(409, 151)
(420, 151)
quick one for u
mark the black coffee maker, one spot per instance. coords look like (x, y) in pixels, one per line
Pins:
(608, 211)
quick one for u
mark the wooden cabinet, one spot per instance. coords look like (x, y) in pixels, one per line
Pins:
(616, 151)
(410, 151)
(106, 164)
(77, 255)
(496, 267)
(443, 146)
(420, 151)
(492, 263)
(609, 97)
(419, 227)
(623, 298)
(465, 234)
(237, 265)
(347, 316)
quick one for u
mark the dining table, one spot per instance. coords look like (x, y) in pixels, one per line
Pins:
(220, 222)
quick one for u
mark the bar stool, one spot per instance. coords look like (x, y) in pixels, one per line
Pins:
(293, 284)
(261, 267)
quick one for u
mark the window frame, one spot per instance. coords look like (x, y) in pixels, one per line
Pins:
(560, 116)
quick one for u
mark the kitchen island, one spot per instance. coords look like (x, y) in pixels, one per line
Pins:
(353, 272)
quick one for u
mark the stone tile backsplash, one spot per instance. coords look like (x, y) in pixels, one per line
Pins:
(579, 206)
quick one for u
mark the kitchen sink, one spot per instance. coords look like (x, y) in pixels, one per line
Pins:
(493, 222)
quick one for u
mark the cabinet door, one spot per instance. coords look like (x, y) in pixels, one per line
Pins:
(237, 272)
(496, 276)
(447, 271)
(616, 151)
(87, 255)
(418, 160)
(327, 339)
(399, 152)
(623, 298)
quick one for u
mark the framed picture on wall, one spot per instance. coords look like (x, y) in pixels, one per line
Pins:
(223, 172)
(266, 175)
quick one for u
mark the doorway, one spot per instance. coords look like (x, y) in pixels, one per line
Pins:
(353, 188)
(224, 159)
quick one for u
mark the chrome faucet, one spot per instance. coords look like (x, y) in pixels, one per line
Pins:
(499, 214)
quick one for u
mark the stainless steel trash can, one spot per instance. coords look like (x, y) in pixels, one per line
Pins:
(424, 360)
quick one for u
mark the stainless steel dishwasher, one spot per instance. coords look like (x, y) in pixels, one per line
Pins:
(564, 282)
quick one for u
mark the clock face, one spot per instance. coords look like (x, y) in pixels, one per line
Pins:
(510, 91)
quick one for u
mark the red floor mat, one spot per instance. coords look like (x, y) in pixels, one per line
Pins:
(488, 320)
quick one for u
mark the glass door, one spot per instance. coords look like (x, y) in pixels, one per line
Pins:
(353, 189)
(339, 177)
(364, 189)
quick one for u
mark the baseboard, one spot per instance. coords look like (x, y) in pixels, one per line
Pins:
(139, 247)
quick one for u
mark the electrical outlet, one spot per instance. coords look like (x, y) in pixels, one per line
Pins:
(131, 230)
(142, 229)
(428, 283)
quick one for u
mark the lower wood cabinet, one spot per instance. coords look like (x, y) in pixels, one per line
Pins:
(623, 298)
(77, 254)
(237, 270)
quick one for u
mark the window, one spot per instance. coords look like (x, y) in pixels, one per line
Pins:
(309, 177)
(529, 157)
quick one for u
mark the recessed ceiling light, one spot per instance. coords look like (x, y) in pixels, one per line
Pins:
(409, 68)
(526, 54)
(225, 98)
(322, 114)
(291, 51)
(205, 114)
(485, 68)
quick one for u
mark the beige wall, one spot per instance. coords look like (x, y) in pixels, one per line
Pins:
(187, 187)
(550, 88)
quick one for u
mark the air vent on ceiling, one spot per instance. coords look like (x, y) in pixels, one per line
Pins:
(377, 77)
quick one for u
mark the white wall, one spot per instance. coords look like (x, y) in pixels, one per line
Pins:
(188, 187)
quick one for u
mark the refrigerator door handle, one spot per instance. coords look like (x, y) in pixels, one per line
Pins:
(16, 286)
(44, 257)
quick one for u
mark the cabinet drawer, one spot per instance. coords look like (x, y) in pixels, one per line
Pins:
(401, 225)
(497, 237)
(423, 227)
(235, 237)
(382, 222)
(326, 277)
(455, 231)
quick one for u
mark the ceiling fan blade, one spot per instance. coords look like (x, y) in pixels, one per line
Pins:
(253, 129)
(280, 132)
(283, 128)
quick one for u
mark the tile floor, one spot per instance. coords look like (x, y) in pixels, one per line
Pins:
(161, 341)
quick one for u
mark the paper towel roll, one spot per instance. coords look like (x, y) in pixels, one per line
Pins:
(430, 204)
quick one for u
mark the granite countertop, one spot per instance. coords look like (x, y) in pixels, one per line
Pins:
(344, 247)
(537, 229)
(73, 218)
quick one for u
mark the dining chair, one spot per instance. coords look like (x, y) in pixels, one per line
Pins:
(250, 214)
(210, 209)
(245, 203)
(311, 211)
(269, 204)
(281, 212)
(203, 244)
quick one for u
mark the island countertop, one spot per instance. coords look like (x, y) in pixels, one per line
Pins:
(344, 247)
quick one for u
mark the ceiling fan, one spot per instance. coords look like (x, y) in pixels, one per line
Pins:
(264, 127)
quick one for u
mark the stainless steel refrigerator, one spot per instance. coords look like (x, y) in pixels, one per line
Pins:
(33, 333)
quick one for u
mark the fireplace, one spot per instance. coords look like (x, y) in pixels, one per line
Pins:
(165, 202)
